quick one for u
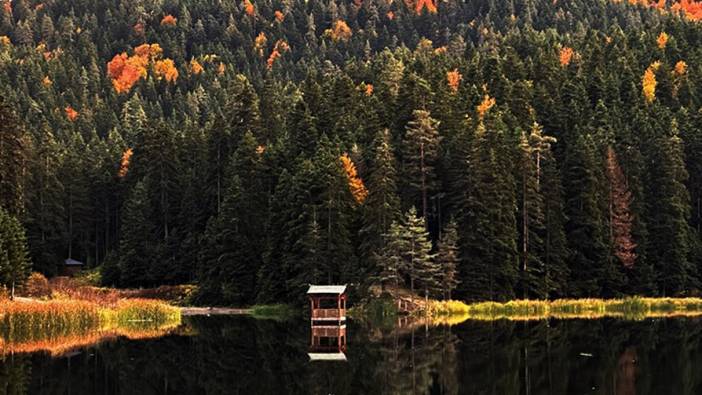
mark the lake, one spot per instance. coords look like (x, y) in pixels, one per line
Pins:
(242, 355)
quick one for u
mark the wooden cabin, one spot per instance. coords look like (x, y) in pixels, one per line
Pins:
(71, 267)
(327, 303)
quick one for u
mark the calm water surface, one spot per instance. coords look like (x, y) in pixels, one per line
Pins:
(240, 355)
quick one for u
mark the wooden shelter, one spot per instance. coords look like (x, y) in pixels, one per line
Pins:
(328, 343)
(328, 322)
(71, 267)
(327, 303)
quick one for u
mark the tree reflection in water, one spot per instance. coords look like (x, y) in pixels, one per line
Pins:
(239, 355)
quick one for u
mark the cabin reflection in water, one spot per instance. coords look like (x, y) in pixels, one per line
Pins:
(328, 322)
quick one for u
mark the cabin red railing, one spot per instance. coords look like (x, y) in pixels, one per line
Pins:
(328, 313)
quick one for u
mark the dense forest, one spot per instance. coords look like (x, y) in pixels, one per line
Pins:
(476, 150)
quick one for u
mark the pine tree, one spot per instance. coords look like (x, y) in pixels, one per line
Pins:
(77, 207)
(670, 210)
(45, 211)
(137, 240)
(233, 239)
(447, 259)
(556, 253)
(585, 227)
(418, 263)
(14, 147)
(389, 258)
(489, 257)
(15, 264)
(382, 206)
(420, 149)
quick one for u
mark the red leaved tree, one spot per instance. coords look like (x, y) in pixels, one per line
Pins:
(620, 217)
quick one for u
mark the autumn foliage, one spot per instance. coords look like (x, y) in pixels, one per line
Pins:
(260, 43)
(649, 83)
(565, 56)
(339, 32)
(454, 78)
(249, 8)
(125, 70)
(169, 20)
(691, 9)
(680, 68)
(621, 219)
(420, 5)
(195, 67)
(662, 40)
(71, 114)
(356, 186)
(484, 106)
(166, 69)
(124, 163)
(280, 47)
(279, 16)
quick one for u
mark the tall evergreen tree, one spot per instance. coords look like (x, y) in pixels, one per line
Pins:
(489, 257)
(418, 265)
(420, 153)
(14, 146)
(136, 245)
(670, 210)
(382, 206)
(15, 264)
(585, 227)
(448, 259)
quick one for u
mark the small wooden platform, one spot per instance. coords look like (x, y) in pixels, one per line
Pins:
(193, 311)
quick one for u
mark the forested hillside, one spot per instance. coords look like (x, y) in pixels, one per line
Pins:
(478, 150)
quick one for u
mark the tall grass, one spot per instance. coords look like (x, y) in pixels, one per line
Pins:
(70, 288)
(632, 308)
(21, 321)
(62, 324)
(136, 312)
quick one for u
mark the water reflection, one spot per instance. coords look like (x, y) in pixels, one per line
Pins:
(327, 342)
(239, 355)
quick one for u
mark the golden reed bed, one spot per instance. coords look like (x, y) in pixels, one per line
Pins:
(60, 326)
(634, 308)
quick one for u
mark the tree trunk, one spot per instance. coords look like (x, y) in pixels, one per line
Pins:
(525, 233)
(424, 185)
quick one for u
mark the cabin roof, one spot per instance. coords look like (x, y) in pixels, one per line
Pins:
(72, 262)
(326, 289)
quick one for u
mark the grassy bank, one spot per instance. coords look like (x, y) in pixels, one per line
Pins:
(273, 311)
(28, 323)
(628, 308)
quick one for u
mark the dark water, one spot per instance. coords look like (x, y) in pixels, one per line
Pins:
(239, 355)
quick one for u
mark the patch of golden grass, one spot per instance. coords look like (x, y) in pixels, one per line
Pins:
(633, 308)
(58, 326)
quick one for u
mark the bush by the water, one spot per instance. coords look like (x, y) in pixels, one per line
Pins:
(37, 286)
